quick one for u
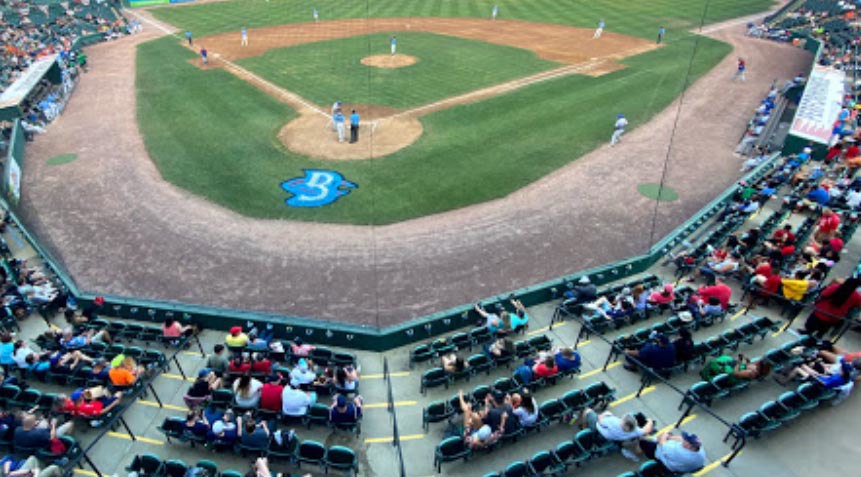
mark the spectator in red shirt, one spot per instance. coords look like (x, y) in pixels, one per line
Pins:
(663, 297)
(720, 290)
(545, 368)
(827, 226)
(240, 364)
(834, 303)
(260, 364)
(91, 403)
(270, 394)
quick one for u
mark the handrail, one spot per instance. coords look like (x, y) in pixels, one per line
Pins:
(649, 376)
(390, 405)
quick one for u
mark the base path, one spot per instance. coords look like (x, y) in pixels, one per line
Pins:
(120, 228)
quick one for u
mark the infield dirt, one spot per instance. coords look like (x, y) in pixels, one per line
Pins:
(311, 134)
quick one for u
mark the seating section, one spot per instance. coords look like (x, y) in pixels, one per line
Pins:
(786, 408)
(308, 453)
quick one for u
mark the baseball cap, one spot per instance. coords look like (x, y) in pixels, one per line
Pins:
(584, 280)
(663, 339)
(620, 115)
(218, 427)
(235, 330)
(303, 365)
(77, 394)
(99, 300)
(203, 373)
(341, 400)
(483, 433)
(692, 440)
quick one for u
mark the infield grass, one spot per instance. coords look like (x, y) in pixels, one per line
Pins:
(215, 135)
(447, 66)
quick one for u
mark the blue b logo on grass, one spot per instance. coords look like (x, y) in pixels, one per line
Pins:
(319, 187)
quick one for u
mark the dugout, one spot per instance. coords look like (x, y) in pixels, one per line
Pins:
(17, 94)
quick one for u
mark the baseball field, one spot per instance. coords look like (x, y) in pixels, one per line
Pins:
(469, 110)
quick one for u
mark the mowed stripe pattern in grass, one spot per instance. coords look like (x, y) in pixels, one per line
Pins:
(634, 17)
(214, 135)
(447, 66)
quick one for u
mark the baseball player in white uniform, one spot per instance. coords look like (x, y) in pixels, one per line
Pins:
(394, 44)
(599, 30)
(244, 36)
(618, 129)
(316, 15)
(494, 12)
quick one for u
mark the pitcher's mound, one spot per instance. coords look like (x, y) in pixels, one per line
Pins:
(312, 135)
(389, 61)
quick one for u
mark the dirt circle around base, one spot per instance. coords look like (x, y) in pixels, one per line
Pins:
(311, 134)
(389, 61)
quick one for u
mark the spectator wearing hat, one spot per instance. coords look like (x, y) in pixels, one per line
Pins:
(344, 412)
(204, 385)
(658, 354)
(625, 430)
(236, 338)
(92, 311)
(302, 374)
(663, 297)
(224, 432)
(92, 403)
(217, 362)
(584, 292)
(678, 454)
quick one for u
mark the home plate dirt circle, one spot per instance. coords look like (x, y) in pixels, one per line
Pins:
(311, 134)
(389, 61)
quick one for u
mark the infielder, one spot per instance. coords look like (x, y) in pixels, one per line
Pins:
(618, 129)
(244, 37)
(394, 44)
(599, 30)
(316, 16)
(739, 73)
(338, 119)
(494, 12)
(188, 37)
(203, 55)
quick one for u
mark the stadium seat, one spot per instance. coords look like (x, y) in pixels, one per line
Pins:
(479, 335)
(506, 385)
(433, 378)
(575, 400)
(311, 452)
(342, 459)
(175, 468)
(420, 354)
(147, 464)
(516, 469)
(754, 424)
(815, 393)
(318, 414)
(480, 363)
(727, 385)
(774, 411)
(210, 466)
(436, 411)
(704, 392)
(652, 468)
(792, 400)
(599, 394)
(8, 393)
(542, 463)
(568, 452)
(450, 449)
(592, 442)
(540, 343)
(461, 341)
(173, 427)
(552, 410)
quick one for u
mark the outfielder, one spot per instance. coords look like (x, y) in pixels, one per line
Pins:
(599, 30)
(494, 12)
(316, 16)
(244, 37)
(394, 44)
(618, 129)
(203, 55)
(661, 32)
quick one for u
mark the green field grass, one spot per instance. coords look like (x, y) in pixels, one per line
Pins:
(633, 17)
(447, 66)
(215, 135)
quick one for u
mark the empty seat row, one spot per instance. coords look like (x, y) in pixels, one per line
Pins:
(774, 414)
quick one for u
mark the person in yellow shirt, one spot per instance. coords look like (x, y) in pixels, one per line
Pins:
(794, 288)
(236, 338)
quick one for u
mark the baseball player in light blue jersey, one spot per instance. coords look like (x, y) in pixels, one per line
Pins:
(316, 15)
(599, 30)
(394, 44)
(618, 129)
(494, 12)
(244, 34)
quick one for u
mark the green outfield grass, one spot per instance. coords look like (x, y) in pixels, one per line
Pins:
(447, 66)
(633, 17)
(215, 135)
